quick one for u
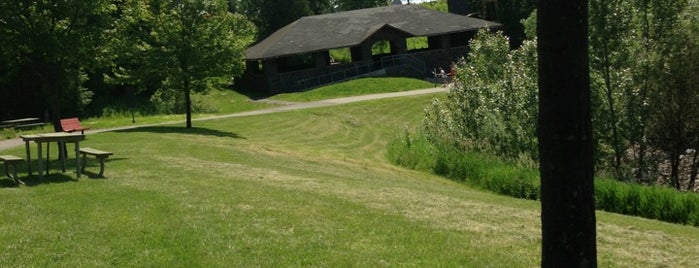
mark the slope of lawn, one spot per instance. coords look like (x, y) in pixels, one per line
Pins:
(299, 188)
(356, 87)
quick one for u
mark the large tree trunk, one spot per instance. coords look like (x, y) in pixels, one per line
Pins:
(565, 135)
(188, 102)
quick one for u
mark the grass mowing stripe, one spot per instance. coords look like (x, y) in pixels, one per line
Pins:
(259, 191)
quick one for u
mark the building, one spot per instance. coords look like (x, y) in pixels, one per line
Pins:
(297, 56)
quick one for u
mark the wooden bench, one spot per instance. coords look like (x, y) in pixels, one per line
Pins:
(22, 123)
(100, 155)
(72, 125)
(11, 160)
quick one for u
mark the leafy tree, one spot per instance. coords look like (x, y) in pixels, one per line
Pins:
(610, 62)
(321, 6)
(673, 127)
(271, 15)
(186, 45)
(565, 135)
(48, 49)
(279, 13)
(492, 104)
(346, 5)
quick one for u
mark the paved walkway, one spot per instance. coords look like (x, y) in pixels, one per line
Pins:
(11, 143)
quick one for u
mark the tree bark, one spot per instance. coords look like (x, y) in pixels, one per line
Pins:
(693, 172)
(565, 135)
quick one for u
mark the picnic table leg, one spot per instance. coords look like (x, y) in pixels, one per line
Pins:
(41, 159)
(62, 154)
(48, 157)
(29, 158)
(77, 158)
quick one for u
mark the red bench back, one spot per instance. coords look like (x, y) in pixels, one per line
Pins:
(71, 124)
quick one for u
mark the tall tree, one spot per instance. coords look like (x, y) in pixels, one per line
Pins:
(673, 127)
(320, 6)
(271, 15)
(48, 47)
(278, 13)
(345, 5)
(565, 135)
(189, 45)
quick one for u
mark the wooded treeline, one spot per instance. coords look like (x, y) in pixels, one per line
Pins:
(74, 58)
(69, 58)
(644, 68)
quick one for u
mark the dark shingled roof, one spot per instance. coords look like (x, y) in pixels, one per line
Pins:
(350, 28)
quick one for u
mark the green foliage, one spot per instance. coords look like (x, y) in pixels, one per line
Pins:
(416, 43)
(440, 5)
(172, 102)
(530, 26)
(415, 151)
(356, 87)
(651, 202)
(506, 178)
(639, 89)
(411, 151)
(341, 55)
(186, 46)
(346, 5)
(492, 106)
(47, 50)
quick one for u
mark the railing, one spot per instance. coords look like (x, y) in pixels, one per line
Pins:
(336, 76)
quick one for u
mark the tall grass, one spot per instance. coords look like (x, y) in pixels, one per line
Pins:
(476, 169)
(652, 202)
(507, 178)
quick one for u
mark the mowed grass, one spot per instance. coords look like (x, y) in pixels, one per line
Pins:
(356, 87)
(299, 188)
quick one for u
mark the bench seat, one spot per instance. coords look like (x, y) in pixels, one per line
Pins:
(72, 125)
(12, 161)
(100, 155)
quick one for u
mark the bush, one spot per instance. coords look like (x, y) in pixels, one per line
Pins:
(522, 181)
(651, 202)
(476, 169)
(168, 101)
(412, 152)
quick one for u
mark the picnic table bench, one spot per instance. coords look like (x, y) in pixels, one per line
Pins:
(100, 155)
(72, 125)
(22, 123)
(11, 161)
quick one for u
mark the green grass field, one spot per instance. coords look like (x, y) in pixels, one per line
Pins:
(356, 87)
(300, 188)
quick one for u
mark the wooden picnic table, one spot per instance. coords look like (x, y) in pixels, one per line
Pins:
(22, 122)
(19, 121)
(60, 138)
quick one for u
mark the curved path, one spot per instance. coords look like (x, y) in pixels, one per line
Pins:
(11, 143)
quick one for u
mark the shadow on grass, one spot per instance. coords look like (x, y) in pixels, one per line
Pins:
(34, 180)
(184, 130)
(93, 166)
(55, 175)
(253, 94)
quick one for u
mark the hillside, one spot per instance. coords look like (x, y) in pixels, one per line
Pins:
(296, 188)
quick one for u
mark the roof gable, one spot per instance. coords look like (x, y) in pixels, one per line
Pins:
(350, 28)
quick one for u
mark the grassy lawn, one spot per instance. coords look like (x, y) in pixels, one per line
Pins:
(357, 87)
(300, 188)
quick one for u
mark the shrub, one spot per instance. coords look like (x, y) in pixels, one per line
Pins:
(652, 202)
(413, 152)
(522, 181)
